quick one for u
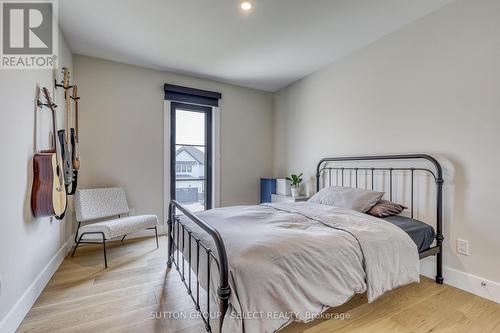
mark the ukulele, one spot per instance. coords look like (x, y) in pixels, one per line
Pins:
(48, 195)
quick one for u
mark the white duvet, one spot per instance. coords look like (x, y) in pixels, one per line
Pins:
(291, 261)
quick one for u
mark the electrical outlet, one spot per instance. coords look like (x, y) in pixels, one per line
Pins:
(463, 247)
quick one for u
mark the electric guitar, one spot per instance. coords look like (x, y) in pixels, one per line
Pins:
(64, 135)
(75, 146)
(48, 196)
(75, 150)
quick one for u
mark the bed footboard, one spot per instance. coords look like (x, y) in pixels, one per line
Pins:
(177, 232)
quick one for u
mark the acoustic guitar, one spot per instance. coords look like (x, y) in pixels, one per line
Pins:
(48, 195)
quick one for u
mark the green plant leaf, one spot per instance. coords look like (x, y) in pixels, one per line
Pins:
(295, 179)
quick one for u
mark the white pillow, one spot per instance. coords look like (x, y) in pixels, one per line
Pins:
(352, 198)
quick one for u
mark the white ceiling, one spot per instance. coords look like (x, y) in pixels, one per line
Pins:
(280, 42)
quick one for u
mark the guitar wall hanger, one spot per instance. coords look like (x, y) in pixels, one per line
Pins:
(40, 104)
(64, 82)
(61, 85)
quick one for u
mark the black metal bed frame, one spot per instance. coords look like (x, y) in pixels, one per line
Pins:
(175, 228)
(177, 231)
(438, 179)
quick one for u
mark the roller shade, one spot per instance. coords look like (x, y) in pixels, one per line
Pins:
(191, 95)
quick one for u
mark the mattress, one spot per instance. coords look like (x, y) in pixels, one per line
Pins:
(422, 234)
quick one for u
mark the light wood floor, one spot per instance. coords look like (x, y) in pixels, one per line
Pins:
(83, 297)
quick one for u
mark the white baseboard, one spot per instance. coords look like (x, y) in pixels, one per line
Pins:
(471, 283)
(15, 316)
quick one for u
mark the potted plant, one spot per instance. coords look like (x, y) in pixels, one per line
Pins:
(295, 181)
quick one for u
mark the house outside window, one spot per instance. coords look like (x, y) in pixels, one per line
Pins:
(189, 172)
(190, 147)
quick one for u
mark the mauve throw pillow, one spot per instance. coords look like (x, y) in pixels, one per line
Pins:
(347, 197)
(385, 208)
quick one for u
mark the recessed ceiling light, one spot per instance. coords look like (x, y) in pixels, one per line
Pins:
(246, 5)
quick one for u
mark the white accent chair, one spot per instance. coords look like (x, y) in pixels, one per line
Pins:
(93, 204)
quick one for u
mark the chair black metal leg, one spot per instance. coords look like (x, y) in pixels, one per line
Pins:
(94, 242)
(156, 234)
(74, 250)
(76, 245)
(104, 249)
(124, 237)
(78, 229)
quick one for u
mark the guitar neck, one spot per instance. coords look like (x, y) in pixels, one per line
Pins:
(68, 114)
(51, 106)
(67, 100)
(54, 140)
(75, 154)
(75, 98)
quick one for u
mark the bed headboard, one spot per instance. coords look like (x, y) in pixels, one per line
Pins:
(369, 166)
(410, 164)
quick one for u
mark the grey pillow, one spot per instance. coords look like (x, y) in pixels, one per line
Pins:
(385, 208)
(352, 198)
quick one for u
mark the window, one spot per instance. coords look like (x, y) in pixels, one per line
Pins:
(191, 143)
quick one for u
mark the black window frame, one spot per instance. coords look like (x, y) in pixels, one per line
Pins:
(208, 147)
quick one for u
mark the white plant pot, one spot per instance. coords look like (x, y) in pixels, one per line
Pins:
(295, 191)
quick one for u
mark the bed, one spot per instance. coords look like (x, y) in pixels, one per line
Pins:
(271, 264)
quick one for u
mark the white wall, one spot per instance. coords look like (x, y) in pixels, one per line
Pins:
(121, 133)
(27, 245)
(432, 87)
